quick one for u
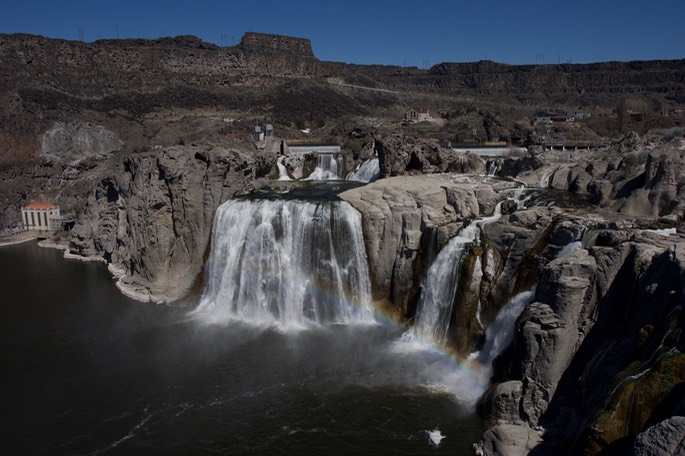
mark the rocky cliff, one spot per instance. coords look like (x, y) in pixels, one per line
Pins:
(402, 216)
(596, 361)
(151, 218)
(127, 85)
(596, 358)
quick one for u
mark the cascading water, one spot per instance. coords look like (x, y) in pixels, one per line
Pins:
(369, 171)
(328, 167)
(499, 333)
(440, 286)
(282, 171)
(287, 262)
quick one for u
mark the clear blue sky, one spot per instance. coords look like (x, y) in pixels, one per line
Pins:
(400, 32)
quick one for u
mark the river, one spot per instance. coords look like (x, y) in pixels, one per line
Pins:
(87, 371)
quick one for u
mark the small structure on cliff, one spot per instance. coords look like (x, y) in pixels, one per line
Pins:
(420, 115)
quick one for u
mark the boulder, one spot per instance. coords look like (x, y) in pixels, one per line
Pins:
(666, 438)
(508, 440)
(502, 402)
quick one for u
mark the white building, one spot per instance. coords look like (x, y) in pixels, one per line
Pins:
(37, 216)
(422, 115)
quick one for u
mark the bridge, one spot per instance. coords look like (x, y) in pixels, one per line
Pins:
(573, 145)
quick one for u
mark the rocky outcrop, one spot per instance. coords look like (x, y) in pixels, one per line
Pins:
(285, 44)
(634, 176)
(549, 331)
(400, 155)
(599, 339)
(508, 440)
(76, 141)
(397, 216)
(151, 219)
(664, 439)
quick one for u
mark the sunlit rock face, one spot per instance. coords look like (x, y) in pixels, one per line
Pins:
(151, 219)
(397, 216)
(71, 143)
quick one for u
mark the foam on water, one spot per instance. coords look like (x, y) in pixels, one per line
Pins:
(435, 437)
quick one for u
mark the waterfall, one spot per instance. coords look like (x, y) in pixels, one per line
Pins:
(440, 286)
(439, 291)
(569, 248)
(369, 171)
(282, 171)
(499, 334)
(328, 167)
(287, 262)
(492, 166)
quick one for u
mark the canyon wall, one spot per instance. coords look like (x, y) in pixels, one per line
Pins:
(151, 218)
(596, 360)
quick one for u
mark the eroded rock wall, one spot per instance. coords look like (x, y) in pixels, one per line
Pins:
(151, 220)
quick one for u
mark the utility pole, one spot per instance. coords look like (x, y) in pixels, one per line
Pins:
(115, 31)
(81, 34)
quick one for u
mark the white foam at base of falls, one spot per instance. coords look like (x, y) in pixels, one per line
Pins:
(440, 372)
(435, 437)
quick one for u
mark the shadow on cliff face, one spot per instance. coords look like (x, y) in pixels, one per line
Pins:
(623, 377)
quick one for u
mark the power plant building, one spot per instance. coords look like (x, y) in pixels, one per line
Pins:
(38, 216)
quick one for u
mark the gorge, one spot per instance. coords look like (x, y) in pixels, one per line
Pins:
(409, 297)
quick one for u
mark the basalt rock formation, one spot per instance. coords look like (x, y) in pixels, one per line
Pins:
(400, 215)
(136, 87)
(151, 219)
(596, 363)
(596, 358)
(399, 154)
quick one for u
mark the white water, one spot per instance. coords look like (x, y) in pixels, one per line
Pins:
(328, 167)
(440, 286)
(282, 171)
(435, 437)
(292, 263)
(369, 171)
(500, 333)
(663, 231)
(546, 178)
(493, 168)
(570, 248)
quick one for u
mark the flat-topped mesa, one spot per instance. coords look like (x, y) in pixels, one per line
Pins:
(267, 42)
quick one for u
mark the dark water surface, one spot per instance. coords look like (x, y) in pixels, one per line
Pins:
(84, 370)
